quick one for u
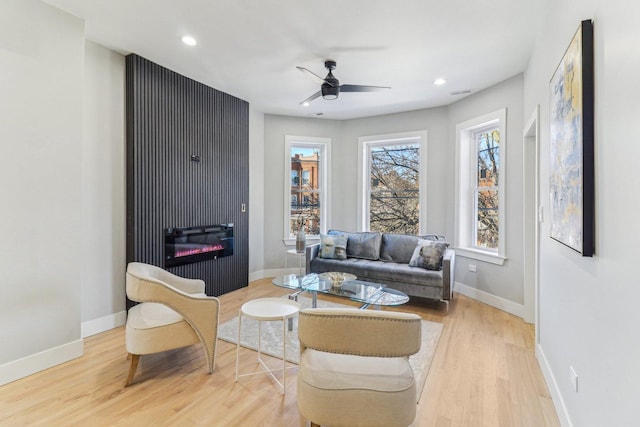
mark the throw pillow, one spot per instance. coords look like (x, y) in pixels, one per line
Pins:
(333, 247)
(362, 244)
(428, 254)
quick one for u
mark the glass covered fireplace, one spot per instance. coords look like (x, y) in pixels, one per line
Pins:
(187, 245)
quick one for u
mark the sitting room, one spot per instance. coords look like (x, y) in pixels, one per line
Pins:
(347, 213)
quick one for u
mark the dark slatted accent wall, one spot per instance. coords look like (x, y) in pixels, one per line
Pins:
(169, 118)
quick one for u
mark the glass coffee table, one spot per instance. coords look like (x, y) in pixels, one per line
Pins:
(367, 293)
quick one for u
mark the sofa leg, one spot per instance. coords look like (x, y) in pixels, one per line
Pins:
(135, 358)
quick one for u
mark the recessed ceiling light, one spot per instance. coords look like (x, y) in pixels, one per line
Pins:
(189, 41)
(439, 82)
(305, 104)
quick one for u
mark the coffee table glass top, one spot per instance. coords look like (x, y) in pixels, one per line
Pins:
(356, 290)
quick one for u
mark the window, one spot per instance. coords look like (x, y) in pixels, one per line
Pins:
(480, 187)
(305, 190)
(392, 183)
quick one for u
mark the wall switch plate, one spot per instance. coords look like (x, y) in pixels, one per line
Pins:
(574, 378)
(472, 268)
(243, 208)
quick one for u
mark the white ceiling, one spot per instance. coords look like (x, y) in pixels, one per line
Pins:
(250, 48)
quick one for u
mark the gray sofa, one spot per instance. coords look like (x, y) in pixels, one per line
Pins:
(384, 258)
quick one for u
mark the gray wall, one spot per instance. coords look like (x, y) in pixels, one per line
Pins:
(256, 193)
(41, 83)
(275, 129)
(504, 281)
(589, 313)
(103, 189)
(439, 155)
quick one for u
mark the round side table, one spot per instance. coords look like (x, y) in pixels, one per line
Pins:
(267, 309)
(301, 257)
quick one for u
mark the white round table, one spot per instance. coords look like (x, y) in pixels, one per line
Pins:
(267, 309)
(300, 256)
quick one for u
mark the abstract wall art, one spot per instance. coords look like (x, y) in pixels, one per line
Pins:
(572, 145)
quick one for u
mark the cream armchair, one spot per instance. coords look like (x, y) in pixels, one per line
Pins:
(354, 368)
(174, 312)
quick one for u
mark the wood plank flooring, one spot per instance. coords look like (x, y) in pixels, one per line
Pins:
(484, 373)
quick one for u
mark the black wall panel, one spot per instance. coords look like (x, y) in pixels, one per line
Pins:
(169, 118)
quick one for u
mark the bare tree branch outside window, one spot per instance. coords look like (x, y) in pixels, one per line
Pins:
(395, 194)
(487, 188)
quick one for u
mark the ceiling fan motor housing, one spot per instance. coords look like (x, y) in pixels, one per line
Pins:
(331, 87)
(329, 92)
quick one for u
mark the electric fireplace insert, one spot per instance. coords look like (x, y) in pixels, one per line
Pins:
(186, 245)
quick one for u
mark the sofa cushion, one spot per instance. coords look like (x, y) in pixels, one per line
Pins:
(364, 245)
(333, 246)
(400, 247)
(389, 273)
(428, 254)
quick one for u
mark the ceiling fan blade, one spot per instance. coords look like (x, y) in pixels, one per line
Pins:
(311, 98)
(360, 88)
(304, 70)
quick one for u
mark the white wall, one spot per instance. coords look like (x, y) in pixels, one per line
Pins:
(504, 281)
(589, 313)
(439, 164)
(41, 78)
(103, 191)
(256, 194)
(275, 129)
(501, 286)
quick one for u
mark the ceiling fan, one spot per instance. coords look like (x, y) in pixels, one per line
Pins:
(331, 87)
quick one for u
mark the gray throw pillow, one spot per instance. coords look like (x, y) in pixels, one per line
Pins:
(362, 244)
(333, 246)
(428, 254)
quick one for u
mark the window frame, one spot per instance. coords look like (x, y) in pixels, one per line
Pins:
(324, 144)
(365, 143)
(466, 187)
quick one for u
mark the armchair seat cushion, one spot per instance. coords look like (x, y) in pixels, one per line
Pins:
(152, 328)
(331, 371)
(151, 315)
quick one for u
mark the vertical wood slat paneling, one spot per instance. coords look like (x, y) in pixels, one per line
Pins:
(170, 117)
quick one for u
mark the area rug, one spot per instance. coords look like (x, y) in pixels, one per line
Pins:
(271, 340)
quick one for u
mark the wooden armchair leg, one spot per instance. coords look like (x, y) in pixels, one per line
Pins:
(314, 424)
(132, 369)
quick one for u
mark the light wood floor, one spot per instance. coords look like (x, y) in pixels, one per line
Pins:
(484, 374)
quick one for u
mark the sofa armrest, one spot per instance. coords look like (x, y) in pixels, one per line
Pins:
(448, 270)
(310, 253)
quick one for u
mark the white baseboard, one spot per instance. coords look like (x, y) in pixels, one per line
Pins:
(552, 385)
(489, 299)
(105, 323)
(33, 363)
(257, 275)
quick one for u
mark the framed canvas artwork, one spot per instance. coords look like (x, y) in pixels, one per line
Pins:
(572, 145)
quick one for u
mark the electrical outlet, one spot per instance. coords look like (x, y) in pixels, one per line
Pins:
(574, 378)
(472, 268)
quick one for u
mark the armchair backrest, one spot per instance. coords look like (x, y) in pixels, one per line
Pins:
(139, 273)
(360, 332)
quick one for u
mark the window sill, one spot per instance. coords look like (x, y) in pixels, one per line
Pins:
(291, 241)
(490, 257)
